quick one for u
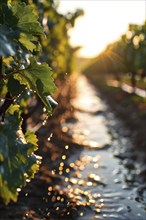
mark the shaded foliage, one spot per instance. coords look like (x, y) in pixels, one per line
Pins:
(31, 32)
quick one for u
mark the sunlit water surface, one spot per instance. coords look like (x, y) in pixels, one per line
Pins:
(102, 184)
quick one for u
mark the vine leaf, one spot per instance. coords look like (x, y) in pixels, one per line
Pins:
(27, 24)
(27, 20)
(38, 77)
(26, 42)
(17, 162)
(18, 28)
(32, 140)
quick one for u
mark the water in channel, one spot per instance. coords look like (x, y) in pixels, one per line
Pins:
(102, 184)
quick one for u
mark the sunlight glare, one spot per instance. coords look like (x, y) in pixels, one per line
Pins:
(103, 22)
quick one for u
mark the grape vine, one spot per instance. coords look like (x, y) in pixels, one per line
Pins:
(31, 32)
(20, 73)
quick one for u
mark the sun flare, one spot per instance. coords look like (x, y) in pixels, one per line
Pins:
(103, 22)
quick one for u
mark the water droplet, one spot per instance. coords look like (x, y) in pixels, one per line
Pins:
(61, 164)
(67, 170)
(62, 200)
(81, 182)
(117, 181)
(44, 122)
(18, 189)
(49, 138)
(44, 109)
(65, 129)
(66, 147)
(95, 159)
(50, 188)
(78, 175)
(69, 186)
(73, 181)
(72, 165)
(60, 168)
(53, 172)
(125, 187)
(98, 210)
(89, 183)
(81, 213)
(63, 157)
(96, 165)
(48, 214)
(97, 195)
(92, 201)
(66, 179)
(58, 198)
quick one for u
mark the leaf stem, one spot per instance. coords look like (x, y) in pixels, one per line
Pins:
(6, 76)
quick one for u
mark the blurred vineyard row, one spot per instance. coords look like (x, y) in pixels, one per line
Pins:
(56, 50)
(119, 72)
(125, 59)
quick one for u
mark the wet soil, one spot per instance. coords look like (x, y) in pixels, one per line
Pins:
(113, 168)
(89, 169)
(128, 107)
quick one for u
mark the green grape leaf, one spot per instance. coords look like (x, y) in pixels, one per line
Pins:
(27, 20)
(27, 24)
(41, 73)
(24, 40)
(13, 109)
(31, 138)
(17, 160)
(12, 85)
(19, 26)
(21, 79)
(39, 78)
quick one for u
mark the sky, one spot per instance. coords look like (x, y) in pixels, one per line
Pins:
(104, 21)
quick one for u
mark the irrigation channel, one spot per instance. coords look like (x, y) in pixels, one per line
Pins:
(104, 177)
